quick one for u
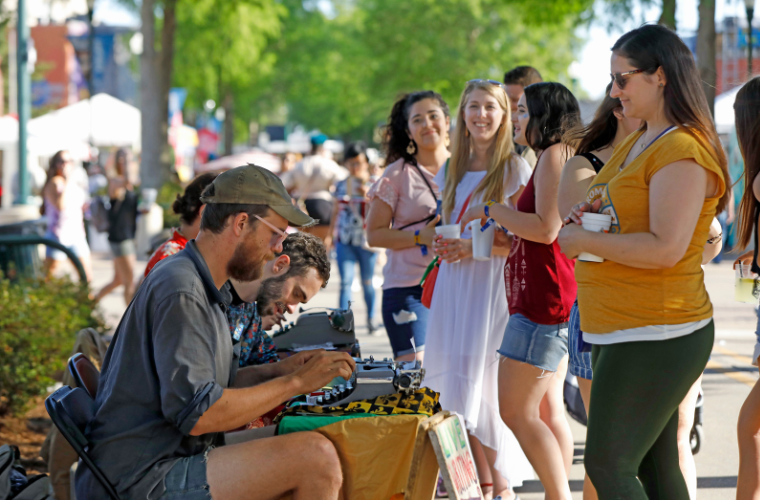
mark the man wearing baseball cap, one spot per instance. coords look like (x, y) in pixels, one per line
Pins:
(170, 386)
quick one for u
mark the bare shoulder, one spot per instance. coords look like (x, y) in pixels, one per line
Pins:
(577, 164)
(556, 155)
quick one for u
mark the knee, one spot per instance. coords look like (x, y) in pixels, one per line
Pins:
(513, 416)
(604, 464)
(323, 458)
(748, 426)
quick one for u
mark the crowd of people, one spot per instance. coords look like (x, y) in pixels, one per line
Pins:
(496, 335)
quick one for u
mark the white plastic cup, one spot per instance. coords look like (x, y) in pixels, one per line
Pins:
(482, 241)
(148, 196)
(449, 232)
(598, 223)
(745, 284)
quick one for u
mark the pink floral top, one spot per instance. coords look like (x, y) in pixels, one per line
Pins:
(405, 191)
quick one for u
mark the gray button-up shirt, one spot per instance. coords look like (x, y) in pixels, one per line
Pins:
(170, 359)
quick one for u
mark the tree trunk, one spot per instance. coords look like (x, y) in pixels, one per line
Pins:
(165, 76)
(229, 121)
(150, 100)
(706, 51)
(668, 17)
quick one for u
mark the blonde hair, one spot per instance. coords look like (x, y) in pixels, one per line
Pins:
(501, 151)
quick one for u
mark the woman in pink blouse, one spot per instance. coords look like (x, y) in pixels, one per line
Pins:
(402, 214)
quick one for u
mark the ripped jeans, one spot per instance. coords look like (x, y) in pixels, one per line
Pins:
(405, 319)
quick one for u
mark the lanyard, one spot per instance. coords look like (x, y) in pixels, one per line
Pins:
(660, 135)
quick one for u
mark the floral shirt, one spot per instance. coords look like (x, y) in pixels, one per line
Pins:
(171, 246)
(256, 346)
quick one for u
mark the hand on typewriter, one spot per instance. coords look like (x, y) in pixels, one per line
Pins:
(321, 368)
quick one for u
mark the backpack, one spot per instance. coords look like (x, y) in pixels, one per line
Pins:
(15, 484)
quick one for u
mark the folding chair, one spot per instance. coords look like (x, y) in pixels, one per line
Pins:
(85, 374)
(71, 410)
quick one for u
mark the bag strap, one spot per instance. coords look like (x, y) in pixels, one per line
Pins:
(432, 191)
(466, 204)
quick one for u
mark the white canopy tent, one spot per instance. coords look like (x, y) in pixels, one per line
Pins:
(724, 110)
(103, 118)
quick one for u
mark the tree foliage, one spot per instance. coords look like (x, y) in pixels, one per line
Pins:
(341, 72)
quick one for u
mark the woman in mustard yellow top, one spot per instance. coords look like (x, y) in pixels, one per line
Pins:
(645, 309)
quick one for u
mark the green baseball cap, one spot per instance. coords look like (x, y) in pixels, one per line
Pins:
(254, 185)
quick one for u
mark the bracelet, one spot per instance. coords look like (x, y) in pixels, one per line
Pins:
(423, 248)
(487, 206)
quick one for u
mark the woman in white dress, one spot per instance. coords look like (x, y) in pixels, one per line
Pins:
(468, 313)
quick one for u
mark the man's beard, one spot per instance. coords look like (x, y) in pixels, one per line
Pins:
(270, 296)
(247, 262)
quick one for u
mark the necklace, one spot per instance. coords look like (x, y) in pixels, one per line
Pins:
(645, 145)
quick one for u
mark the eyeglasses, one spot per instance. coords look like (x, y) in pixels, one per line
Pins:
(281, 234)
(492, 82)
(620, 79)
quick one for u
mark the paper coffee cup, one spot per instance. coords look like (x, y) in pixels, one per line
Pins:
(482, 240)
(449, 232)
(598, 223)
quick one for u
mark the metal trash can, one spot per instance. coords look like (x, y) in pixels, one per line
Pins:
(18, 261)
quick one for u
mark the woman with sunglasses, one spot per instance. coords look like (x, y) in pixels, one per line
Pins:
(402, 214)
(469, 312)
(64, 204)
(594, 145)
(747, 110)
(645, 309)
(540, 290)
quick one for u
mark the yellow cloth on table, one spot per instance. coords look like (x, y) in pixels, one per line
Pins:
(375, 454)
(423, 401)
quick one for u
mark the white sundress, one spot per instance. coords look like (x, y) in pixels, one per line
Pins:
(468, 316)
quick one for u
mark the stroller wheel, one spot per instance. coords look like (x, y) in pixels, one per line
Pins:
(695, 438)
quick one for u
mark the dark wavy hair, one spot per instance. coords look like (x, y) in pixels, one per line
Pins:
(188, 204)
(396, 137)
(306, 251)
(600, 132)
(747, 110)
(652, 47)
(553, 109)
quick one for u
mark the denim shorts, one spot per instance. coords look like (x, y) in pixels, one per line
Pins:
(405, 319)
(80, 249)
(580, 362)
(187, 479)
(542, 346)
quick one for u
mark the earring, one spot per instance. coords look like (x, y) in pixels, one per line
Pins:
(466, 132)
(411, 148)
(662, 85)
(447, 141)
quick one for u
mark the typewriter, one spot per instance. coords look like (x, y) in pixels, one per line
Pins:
(371, 379)
(331, 329)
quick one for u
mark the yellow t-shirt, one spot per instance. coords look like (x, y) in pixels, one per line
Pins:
(612, 296)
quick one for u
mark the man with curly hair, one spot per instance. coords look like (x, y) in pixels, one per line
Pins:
(293, 277)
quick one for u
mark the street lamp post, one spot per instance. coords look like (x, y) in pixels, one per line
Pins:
(91, 44)
(24, 106)
(750, 6)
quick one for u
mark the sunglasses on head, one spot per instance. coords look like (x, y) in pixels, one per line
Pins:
(492, 82)
(620, 78)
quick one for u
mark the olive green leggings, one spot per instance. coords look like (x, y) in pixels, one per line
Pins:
(631, 447)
